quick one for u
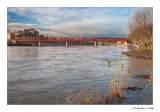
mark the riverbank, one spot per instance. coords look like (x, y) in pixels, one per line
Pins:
(145, 54)
(19, 44)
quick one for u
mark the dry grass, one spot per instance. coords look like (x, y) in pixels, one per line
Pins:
(84, 97)
(90, 97)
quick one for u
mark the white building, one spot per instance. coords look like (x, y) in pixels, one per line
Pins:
(8, 36)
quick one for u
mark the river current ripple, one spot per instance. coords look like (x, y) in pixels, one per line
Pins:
(40, 75)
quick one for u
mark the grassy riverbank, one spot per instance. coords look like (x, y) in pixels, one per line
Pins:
(144, 54)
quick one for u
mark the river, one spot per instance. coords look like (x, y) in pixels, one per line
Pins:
(44, 75)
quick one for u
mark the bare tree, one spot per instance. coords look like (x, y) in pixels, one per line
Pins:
(140, 27)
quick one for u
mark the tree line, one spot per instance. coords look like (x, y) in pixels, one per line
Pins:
(140, 27)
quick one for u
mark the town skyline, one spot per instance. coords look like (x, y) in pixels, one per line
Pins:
(62, 22)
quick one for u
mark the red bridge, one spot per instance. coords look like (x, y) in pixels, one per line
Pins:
(69, 39)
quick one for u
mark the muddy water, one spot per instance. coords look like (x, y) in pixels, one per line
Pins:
(40, 75)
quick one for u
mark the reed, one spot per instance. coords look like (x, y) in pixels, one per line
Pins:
(116, 90)
(119, 81)
(114, 93)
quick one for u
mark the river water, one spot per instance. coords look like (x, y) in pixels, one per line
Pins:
(44, 75)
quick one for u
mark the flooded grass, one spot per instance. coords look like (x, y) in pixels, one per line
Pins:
(132, 88)
(143, 76)
(87, 96)
(116, 91)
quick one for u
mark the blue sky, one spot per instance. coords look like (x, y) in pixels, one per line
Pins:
(71, 21)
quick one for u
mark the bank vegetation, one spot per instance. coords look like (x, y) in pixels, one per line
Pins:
(140, 27)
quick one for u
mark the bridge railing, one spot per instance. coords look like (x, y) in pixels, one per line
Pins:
(68, 39)
(111, 39)
(53, 38)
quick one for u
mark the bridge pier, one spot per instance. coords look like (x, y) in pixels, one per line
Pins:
(125, 43)
(100, 43)
(67, 45)
(95, 44)
(39, 43)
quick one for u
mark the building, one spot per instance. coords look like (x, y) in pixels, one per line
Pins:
(26, 33)
(8, 36)
(36, 34)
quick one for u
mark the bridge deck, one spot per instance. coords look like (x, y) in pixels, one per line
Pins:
(69, 39)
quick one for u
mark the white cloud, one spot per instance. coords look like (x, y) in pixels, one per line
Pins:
(72, 22)
(19, 11)
(86, 27)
